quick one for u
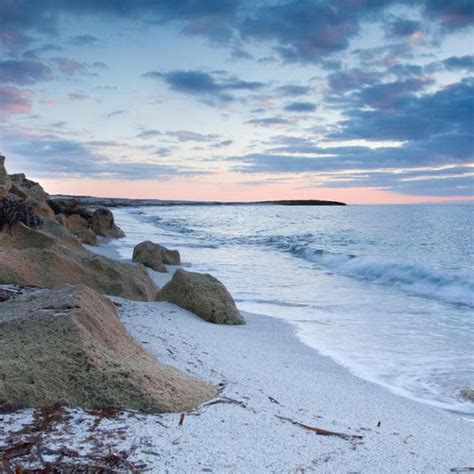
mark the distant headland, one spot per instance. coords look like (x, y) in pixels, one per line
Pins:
(125, 202)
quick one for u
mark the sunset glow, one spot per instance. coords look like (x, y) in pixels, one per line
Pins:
(234, 101)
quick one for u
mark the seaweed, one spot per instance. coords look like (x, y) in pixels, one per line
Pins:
(14, 210)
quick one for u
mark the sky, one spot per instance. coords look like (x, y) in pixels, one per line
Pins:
(361, 101)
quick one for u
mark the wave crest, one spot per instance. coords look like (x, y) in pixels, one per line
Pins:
(451, 288)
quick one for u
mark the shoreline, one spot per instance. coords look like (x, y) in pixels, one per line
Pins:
(280, 336)
(110, 248)
(271, 385)
(268, 380)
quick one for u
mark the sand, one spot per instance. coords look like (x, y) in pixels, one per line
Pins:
(266, 375)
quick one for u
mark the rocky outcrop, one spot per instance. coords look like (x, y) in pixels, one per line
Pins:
(203, 295)
(102, 223)
(68, 346)
(79, 226)
(33, 193)
(5, 182)
(51, 257)
(63, 206)
(83, 223)
(155, 255)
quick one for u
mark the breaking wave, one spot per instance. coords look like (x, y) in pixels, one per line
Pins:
(450, 288)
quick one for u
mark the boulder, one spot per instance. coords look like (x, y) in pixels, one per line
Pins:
(68, 346)
(33, 193)
(63, 236)
(5, 181)
(76, 222)
(80, 228)
(51, 256)
(155, 255)
(60, 219)
(203, 295)
(102, 223)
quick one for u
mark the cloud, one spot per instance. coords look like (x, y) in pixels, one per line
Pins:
(37, 52)
(387, 95)
(60, 157)
(164, 151)
(434, 128)
(78, 96)
(187, 136)
(203, 85)
(269, 121)
(301, 31)
(402, 71)
(13, 101)
(399, 114)
(452, 15)
(290, 90)
(405, 169)
(300, 107)
(99, 65)
(151, 133)
(402, 28)
(71, 67)
(351, 79)
(13, 42)
(59, 124)
(453, 63)
(240, 53)
(455, 181)
(84, 40)
(222, 144)
(116, 113)
(23, 72)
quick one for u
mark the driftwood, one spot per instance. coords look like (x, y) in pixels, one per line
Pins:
(225, 400)
(320, 431)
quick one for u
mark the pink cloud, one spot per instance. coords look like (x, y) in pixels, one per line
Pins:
(14, 101)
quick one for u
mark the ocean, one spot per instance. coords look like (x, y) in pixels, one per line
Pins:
(386, 291)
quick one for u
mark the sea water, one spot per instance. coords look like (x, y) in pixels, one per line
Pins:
(386, 291)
